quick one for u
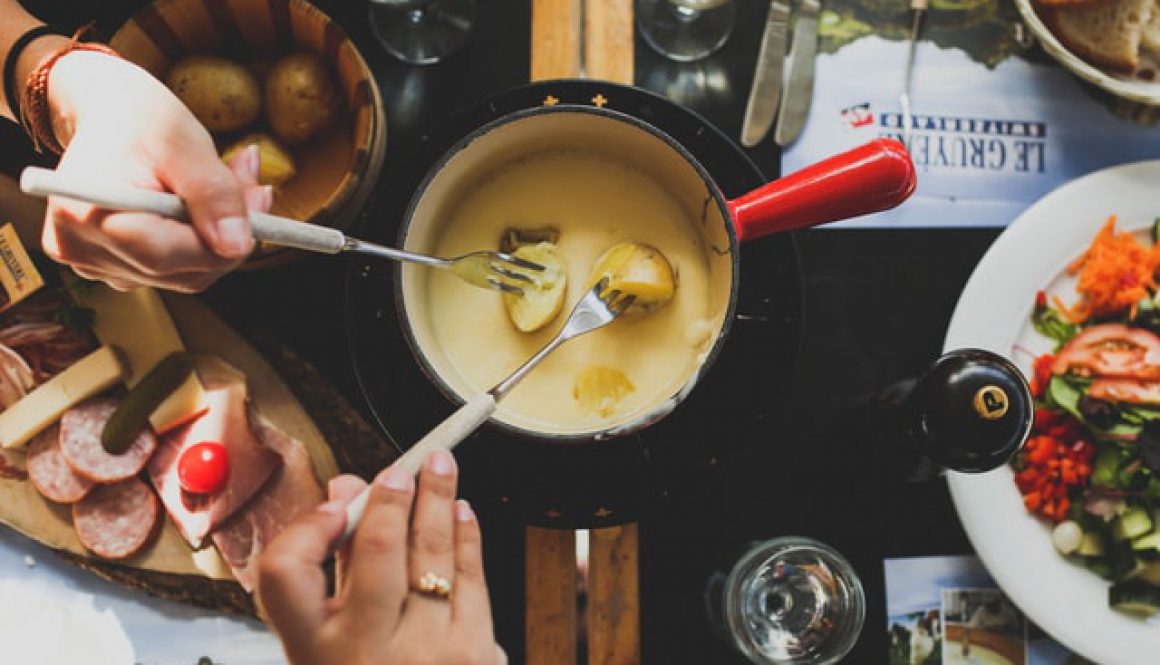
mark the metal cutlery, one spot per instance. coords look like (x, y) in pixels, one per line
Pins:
(761, 108)
(599, 307)
(487, 269)
(918, 7)
(799, 88)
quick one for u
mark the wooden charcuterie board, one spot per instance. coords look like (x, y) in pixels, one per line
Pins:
(169, 567)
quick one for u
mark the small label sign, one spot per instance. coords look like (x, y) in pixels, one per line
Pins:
(991, 402)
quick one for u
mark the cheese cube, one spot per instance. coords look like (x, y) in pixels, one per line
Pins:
(40, 408)
(138, 324)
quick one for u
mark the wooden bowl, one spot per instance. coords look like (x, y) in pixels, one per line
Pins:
(336, 171)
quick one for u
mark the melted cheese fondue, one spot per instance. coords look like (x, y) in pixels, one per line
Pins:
(594, 203)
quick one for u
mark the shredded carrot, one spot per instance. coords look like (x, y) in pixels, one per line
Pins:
(1115, 273)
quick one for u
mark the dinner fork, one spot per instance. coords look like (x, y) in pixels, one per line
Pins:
(484, 268)
(598, 308)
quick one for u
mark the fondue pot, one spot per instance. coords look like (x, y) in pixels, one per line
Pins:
(873, 177)
(601, 477)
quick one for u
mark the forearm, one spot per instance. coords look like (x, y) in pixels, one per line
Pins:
(14, 22)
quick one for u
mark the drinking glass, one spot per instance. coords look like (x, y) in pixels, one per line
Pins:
(422, 32)
(685, 30)
(790, 601)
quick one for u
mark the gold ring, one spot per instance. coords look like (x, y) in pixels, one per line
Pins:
(433, 585)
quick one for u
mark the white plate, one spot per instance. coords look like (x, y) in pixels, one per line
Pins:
(993, 313)
(1121, 85)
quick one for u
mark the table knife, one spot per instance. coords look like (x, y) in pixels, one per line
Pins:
(799, 89)
(918, 7)
(767, 75)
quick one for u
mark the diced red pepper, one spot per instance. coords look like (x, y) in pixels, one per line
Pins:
(1055, 459)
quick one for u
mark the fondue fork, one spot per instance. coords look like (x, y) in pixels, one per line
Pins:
(598, 308)
(484, 268)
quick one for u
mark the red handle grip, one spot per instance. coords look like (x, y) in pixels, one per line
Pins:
(876, 176)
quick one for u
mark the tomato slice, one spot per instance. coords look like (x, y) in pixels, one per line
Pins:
(1111, 350)
(203, 467)
(1132, 391)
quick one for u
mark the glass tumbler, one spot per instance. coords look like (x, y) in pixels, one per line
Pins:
(421, 32)
(685, 30)
(790, 600)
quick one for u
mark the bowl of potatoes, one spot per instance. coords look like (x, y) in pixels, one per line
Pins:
(283, 75)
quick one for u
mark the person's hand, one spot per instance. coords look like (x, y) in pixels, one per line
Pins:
(375, 614)
(121, 125)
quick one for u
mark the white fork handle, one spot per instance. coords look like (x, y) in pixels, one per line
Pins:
(448, 434)
(266, 227)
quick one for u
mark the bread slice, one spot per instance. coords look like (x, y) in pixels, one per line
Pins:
(1107, 35)
(1150, 37)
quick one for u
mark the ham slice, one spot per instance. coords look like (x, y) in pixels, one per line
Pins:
(15, 377)
(12, 465)
(292, 491)
(229, 420)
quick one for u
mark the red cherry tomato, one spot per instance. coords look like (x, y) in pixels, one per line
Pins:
(203, 467)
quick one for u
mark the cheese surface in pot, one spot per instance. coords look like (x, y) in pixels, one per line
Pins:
(594, 202)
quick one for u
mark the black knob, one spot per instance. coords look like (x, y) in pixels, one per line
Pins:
(971, 411)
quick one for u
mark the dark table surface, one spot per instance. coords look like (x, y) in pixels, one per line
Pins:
(875, 308)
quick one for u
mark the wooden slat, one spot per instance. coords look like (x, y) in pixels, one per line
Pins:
(550, 611)
(550, 555)
(608, 39)
(556, 39)
(613, 616)
(613, 598)
(613, 606)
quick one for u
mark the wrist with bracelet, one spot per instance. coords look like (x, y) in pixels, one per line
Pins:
(30, 104)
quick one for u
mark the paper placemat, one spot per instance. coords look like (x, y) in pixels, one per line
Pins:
(948, 611)
(997, 124)
(160, 632)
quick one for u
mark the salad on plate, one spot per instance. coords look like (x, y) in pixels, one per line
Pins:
(1091, 466)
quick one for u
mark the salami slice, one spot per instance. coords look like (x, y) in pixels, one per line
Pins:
(116, 521)
(50, 474)
(80, 443)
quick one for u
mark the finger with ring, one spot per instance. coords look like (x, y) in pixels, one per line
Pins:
(433, 585)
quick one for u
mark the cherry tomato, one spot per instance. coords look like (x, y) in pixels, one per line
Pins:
(203, 467)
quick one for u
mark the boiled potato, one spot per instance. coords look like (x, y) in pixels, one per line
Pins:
(222, 94)
(600, 389)
(300, 98)
(540, 302)
(276, 165)
(639, 270)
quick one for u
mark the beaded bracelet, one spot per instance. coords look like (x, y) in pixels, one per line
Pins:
(37, 116)
(18, 47)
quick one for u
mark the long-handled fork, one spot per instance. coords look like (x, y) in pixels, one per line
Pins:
(487, 269)
(596, 309)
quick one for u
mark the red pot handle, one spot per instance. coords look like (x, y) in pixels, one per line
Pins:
(876, 176)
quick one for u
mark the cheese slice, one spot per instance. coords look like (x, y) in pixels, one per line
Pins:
(89, 376)
(137, 323)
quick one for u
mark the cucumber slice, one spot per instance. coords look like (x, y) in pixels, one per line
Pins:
(1092, 544)
(1146, 571)
(1135, 596)
(1148, 546)
(1132, 523)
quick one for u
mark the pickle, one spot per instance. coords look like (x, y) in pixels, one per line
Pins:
(514, 238)
(132, 416)
(542, 300)
(639, 270)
